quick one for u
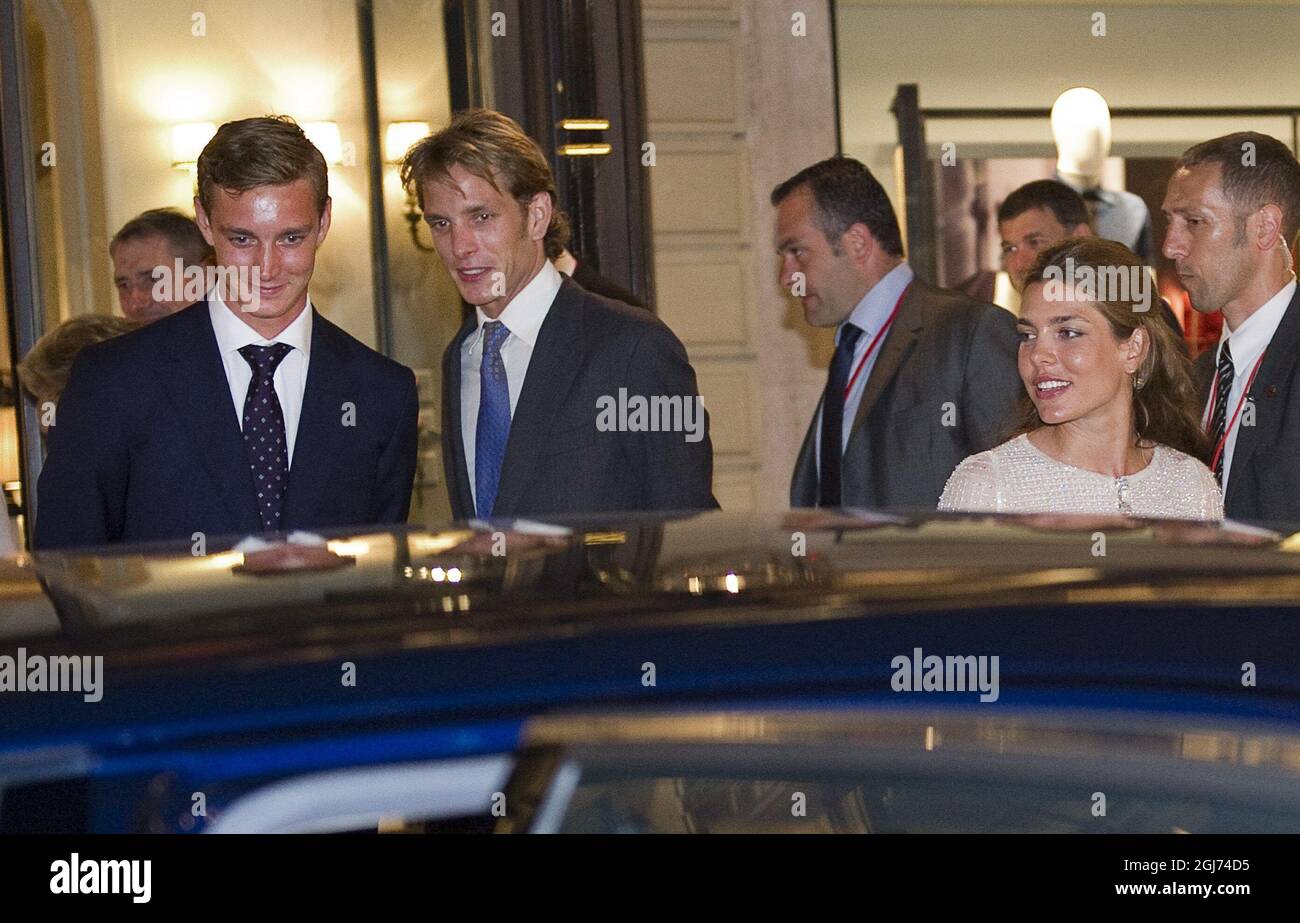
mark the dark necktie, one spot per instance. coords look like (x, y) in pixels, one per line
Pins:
(268, 453)
(493, 419)
(829, 484)
(1219, 424)
(1092, 201)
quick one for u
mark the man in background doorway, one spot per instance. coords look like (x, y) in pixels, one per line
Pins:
(1040, 215)
(152, 240)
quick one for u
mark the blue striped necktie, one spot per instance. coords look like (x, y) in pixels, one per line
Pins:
(493, 419)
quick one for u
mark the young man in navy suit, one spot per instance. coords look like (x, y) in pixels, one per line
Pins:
(555, 400)
(247, 412)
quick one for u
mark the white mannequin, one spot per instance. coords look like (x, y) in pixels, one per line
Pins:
(1081, 129)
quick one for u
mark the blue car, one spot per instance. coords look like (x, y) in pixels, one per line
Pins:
(809, 671)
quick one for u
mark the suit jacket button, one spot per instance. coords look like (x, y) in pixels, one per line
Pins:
(1270, 391)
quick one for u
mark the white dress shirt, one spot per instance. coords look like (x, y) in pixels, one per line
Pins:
(1247, 343)
(290, 375)
(870, 314)
(523, 317)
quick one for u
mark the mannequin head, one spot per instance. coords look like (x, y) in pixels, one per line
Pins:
(1081, 129)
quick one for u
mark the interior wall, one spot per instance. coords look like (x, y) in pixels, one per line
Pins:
(736, 102)
(411, 66)
(1025, 55)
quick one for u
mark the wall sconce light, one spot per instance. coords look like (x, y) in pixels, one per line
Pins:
(188, 141)
(584, 148)
(589, 149)
(326, 137)
(591, 124)
(400, 136)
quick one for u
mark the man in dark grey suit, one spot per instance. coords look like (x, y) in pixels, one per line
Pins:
(1233, 212)
(921, 377)
(555, 400)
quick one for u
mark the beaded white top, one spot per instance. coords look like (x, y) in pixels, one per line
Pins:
(1018, 477)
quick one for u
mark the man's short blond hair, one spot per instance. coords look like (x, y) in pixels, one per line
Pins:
(494, 148)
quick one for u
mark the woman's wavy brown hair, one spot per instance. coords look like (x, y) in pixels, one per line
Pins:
(1165, 406)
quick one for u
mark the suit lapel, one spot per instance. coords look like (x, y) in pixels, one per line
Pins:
(201, 394)
(557, 356)
(803, 486)
(453, 446)
(321, 433)
(1203, 374)
(1274, 372)
(898, 342)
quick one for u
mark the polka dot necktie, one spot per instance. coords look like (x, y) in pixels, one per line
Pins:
(493, 427)
(268, 453)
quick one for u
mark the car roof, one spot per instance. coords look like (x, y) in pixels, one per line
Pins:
(525, 578)
(507, 621)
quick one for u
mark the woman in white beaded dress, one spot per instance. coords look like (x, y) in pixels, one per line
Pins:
(1109, 420)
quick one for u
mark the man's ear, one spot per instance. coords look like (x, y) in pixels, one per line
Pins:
(201, 219)
(325, 215)
(858, 242)
(1268, 227)
(539, 213)
(1081, 230)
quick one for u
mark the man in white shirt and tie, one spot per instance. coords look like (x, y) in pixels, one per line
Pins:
(525, 378)
(247, 412)
(1233, 211)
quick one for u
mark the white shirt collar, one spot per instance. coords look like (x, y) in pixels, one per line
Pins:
(873, 310)
(1250, 339)
(232, 333)
(524, 315)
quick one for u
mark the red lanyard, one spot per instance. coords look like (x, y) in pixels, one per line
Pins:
(871, 347)
(1214, 396)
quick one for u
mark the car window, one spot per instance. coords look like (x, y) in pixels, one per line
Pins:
(633, 802)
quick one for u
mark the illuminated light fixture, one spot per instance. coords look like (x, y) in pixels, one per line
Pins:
(326, 137)
(605, 538)
(593, 149)
(733, 583)
(188, 141)
(400, 136)
(438, 574)
(596, 124)
(454, 575)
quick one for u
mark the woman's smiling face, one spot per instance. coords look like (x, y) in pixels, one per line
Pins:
(1071, 362)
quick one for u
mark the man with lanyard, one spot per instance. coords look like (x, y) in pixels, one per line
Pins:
(921, 377)
(1233, 205)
